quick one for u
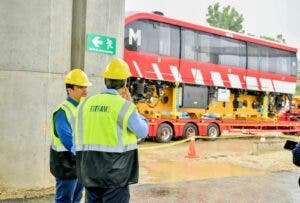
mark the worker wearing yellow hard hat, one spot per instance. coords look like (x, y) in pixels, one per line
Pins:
(62, 152)
(76, 84)
(108, 125)
(117, 69)
(77, 77)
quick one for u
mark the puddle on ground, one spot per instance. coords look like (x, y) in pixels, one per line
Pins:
(167, 171)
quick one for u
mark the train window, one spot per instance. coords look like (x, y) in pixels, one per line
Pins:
(196, 46)
(140, 36)
(169, 40)
(230, 52)
(203, 48)
(286, 62)
(214, 49)
(271, 60)
(188, 44)
(263, 59)
(152, 37)
(258, 57)
(293, 62)
(253, 57)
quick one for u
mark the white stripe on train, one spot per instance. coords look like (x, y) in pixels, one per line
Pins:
(197, 76)
(137, 68)
(251, 82)
(176, 73)
(157, 71)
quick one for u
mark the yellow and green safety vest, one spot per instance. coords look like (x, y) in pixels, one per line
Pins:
(102, 124)
(70, 111)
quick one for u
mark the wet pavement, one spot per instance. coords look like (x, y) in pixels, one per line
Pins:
(279, 187)
(169, 163)
(181, 171)
(225, 171)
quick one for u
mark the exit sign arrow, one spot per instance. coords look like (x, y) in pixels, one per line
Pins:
(101, 43)
(96, 41)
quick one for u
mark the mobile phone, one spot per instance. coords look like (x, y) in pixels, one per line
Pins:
(290, 145)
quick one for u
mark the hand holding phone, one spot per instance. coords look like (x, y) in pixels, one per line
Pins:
(126, 94)
(290, 145)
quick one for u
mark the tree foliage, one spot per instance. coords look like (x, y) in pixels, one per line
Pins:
(228, 18)
(279, 38)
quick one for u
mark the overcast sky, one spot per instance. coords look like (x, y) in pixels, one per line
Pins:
(261, 17)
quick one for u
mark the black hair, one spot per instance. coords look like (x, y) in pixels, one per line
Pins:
(69, 86)
(114, 84)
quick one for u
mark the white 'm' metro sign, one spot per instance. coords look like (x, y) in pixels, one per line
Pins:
(136, 36)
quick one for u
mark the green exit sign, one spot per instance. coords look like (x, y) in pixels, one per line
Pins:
(101, 43)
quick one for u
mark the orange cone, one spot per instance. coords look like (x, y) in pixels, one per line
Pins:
(192, 149)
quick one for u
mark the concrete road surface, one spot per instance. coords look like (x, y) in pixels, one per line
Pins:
(226, 171)
(272, 187)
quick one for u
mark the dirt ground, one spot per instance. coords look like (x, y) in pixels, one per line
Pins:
(167, 164)
(213, 155)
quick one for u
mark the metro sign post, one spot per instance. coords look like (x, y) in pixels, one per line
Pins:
(101, 43)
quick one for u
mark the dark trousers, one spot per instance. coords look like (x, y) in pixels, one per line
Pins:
(68, 191)
(107, 195)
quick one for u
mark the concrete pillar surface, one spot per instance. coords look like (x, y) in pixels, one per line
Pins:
(40, 41)
(35, 53)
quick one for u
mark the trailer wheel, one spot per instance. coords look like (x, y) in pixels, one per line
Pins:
(189, 130)
(164, 133)
(213, 131)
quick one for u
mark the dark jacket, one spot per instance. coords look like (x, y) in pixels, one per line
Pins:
(62, 164)
(296, 155)
(107, 169)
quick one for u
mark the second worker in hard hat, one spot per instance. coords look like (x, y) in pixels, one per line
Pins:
(62, 152)
(106, 138)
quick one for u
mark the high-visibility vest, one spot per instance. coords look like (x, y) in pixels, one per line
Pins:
(102, 124)
(70, 111)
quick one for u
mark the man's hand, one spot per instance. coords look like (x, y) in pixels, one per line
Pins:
(125, 93)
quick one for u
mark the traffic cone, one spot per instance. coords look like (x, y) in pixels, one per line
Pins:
(262, 138)
(192, 149)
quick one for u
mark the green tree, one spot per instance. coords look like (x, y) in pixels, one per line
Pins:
(228, 18)
(279, 38)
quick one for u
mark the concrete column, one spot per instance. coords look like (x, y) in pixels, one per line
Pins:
(37, 49)
(103, 17)
(35, 52)
(78, 33)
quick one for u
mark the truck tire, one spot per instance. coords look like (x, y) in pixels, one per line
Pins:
(164, 133)
(189, 130)
(213, 131)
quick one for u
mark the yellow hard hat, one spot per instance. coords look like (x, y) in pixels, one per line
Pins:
(117, 69)
(77, 77)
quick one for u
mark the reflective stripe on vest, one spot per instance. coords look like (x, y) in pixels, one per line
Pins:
(71, 118)
(100, 147)
(59, 149)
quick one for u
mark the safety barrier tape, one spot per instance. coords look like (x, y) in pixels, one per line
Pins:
(165, 145)
(291, 137)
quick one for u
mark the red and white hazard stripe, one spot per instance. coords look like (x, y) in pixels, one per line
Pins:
(204, 76)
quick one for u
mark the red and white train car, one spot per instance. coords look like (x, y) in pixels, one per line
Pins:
(193, 79)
